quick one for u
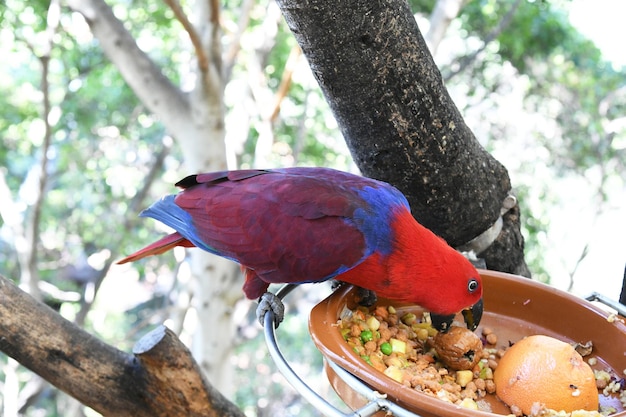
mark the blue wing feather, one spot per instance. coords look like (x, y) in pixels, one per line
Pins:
(375, 219)
(169, 213)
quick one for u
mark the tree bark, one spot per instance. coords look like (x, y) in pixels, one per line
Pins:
(160, 379)
(398, 119)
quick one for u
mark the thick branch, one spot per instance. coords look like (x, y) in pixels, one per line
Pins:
(172, 373)
(161, 379)
(153, 88)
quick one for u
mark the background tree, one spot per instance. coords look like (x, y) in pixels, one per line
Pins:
(498, 51)
(195, 118)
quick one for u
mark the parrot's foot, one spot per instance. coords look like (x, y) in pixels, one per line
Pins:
(334, 284)
(364, 297)
(270, 302)
(367, 298)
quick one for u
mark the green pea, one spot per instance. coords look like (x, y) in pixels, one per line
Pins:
(367, 335)
(386, 348)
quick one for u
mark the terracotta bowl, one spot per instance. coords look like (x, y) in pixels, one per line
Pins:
(515, 307)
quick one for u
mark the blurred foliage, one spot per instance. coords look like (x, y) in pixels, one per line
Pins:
(577, 95)
(105, 142)
(547, 26)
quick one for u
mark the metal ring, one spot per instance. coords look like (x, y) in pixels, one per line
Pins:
(596, 296)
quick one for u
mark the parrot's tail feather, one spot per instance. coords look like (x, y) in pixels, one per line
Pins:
(158, 247)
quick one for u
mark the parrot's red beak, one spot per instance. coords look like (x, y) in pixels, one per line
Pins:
(471, 315)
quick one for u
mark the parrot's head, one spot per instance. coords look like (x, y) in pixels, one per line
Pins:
(425, 270)
(463, 292)
(443, 284)
(442, 281)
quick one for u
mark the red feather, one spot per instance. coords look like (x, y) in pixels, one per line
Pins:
(159, 247)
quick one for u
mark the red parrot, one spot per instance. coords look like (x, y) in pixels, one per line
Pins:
(302, 225)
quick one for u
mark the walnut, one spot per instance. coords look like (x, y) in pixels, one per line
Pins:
(459, 348)
(584, 349)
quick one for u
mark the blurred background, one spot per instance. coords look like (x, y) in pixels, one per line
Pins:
(541, 83)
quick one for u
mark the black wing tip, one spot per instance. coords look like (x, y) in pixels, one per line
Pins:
(220, 176)
(188, 181)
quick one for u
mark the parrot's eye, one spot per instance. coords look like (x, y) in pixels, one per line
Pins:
(472, 285)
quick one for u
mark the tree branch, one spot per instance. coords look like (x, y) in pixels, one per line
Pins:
(395, 114)
(160, 379)
(444, 12)
(203, 61)
(235, 40)
(28, 230)
(153, 88)
(285, 81)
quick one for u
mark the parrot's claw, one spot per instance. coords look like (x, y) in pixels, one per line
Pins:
(367, 298)
(364, 297)
(334, 284)
(270, 302)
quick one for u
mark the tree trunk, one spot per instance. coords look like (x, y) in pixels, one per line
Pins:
(399, 121)
(216, 282)
(196, 121)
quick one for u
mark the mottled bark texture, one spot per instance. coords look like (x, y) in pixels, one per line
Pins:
(399, 121)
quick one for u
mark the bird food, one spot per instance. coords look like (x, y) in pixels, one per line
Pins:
(457, 366)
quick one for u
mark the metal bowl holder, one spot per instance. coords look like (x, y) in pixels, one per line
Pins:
(377, 401)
